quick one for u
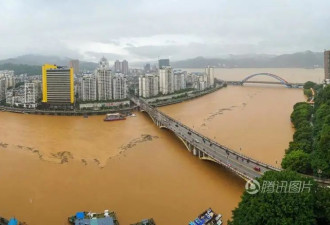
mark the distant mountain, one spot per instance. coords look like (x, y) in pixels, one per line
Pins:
(22, 68)
(39, 60)
(305, 59)
(31, 64)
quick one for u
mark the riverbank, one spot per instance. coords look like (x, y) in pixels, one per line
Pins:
(308, 153)
(125, 110)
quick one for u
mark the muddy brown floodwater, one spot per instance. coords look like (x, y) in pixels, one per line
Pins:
(53, 166)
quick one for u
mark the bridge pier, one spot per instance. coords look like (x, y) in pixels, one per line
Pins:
(195, 151)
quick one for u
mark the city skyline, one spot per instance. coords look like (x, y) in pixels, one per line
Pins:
(214, 29)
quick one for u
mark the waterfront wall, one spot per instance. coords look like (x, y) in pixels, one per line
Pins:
(124, 110)
(92, 105)
(157, 102)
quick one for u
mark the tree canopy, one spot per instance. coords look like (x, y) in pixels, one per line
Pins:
(308, 207)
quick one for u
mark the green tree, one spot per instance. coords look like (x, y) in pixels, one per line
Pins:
(297, 161)
(309, 84)
(282, 208)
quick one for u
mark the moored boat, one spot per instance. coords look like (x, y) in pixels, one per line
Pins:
(12, 221)
(208, 217)
(145, 222)
(89, 218)
(114, 117)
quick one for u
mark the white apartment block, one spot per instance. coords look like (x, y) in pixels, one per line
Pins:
(148, 85)
(119, 87)
(179, 81)
(104, 80)
(202, 82)
(2, 89)
(166, 80)
(209, 71)
(88, 88)
(9, 98)
(29, 93)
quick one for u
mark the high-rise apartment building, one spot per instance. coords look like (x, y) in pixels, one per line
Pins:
(209, 71)
(166, 80)
(29, 93)
(57, 85)
(148, 85)
(147, 68)
(75, 65)
(163, 63)
(88, 88)
(104, 80)
(2, 88)
(8, 76)
(179, 81)
(121, 67)
(327, 66)
(124, 67)
(117, 66)
(119, 86)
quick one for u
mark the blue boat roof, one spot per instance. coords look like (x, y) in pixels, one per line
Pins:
(13, 221)
(95, 221)
(80, 215)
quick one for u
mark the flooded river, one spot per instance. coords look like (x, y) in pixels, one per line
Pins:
(53, 166)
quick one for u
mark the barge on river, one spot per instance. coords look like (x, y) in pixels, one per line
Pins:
(89, 218)
(145, 222)
(208, 217)
(114, 117)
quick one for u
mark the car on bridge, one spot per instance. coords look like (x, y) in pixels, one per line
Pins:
(257, 169)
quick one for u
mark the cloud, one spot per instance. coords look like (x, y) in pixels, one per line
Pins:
(144, 29)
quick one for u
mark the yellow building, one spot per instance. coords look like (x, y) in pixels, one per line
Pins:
(57, 85)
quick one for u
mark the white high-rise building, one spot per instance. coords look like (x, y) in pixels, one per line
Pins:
(166, 80)
(209, 71)
(119, 87)
(117, 67)
(327, 67)
(148, 85)
(2, 89)
(124, 67)
(202, 82)
(179, 81)
(10, 81)
(104, 80)
(88, 88)
(29, 93)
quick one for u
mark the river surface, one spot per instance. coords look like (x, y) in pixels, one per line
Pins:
(53, 166)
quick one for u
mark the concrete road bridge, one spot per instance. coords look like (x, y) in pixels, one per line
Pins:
(207, 149)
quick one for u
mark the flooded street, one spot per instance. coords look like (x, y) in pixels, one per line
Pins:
(53, 166)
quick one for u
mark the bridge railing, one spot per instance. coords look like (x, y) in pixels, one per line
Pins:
(211, 141)
(153, 110)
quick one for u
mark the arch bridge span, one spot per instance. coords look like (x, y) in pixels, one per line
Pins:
(278, 80)
(281, 80)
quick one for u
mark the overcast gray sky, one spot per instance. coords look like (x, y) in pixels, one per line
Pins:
(142, 30)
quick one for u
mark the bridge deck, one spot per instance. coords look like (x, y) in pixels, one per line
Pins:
(244, 166)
